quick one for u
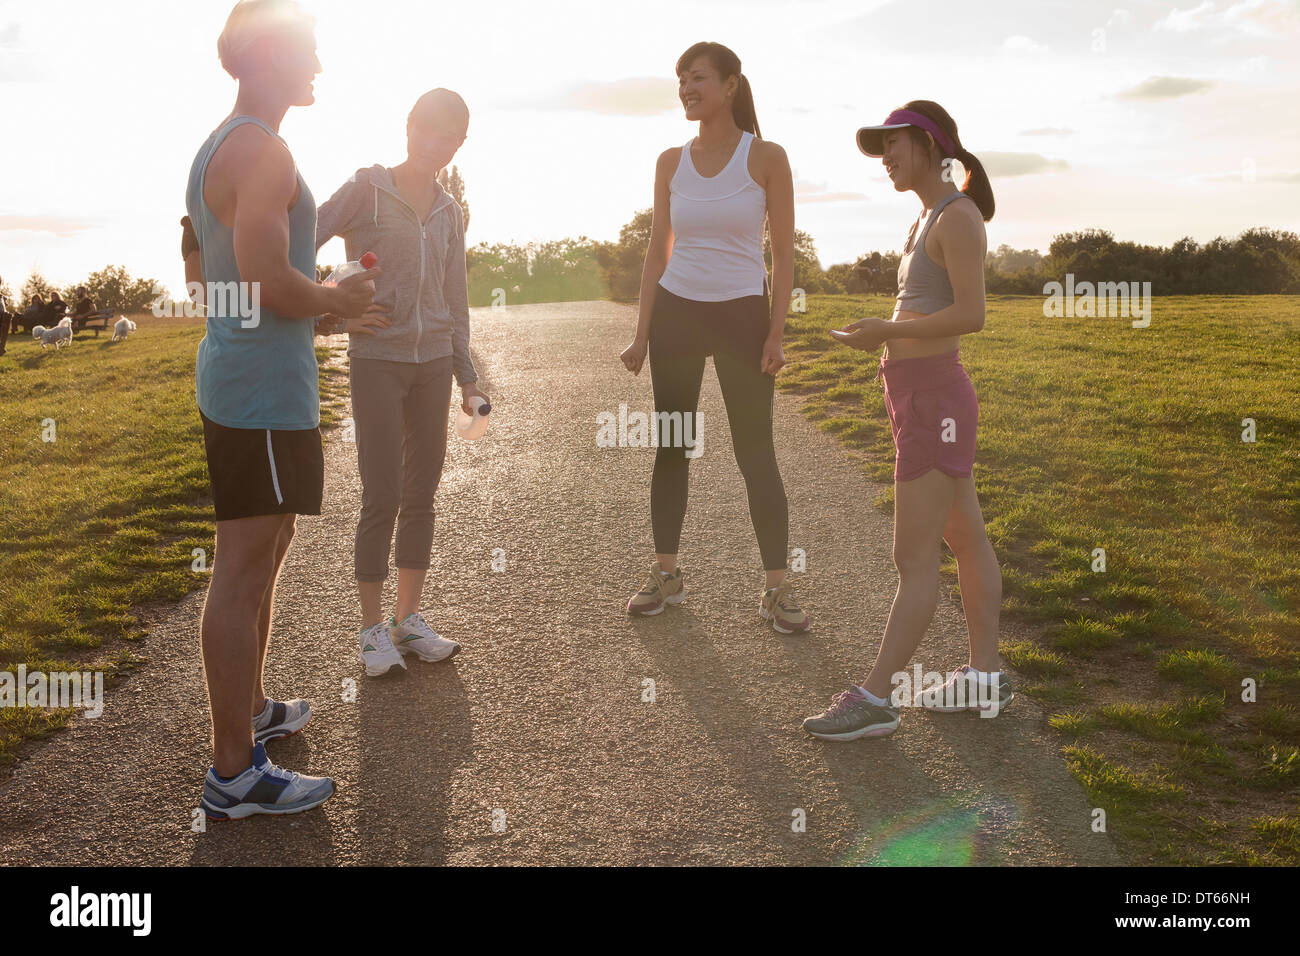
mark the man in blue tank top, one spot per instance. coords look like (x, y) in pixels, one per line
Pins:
(256, 384)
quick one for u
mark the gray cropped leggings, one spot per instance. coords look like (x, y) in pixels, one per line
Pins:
(399, 410)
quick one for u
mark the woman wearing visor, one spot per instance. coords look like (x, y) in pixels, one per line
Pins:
(933, 414)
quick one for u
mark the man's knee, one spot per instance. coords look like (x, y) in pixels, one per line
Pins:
(286, 532)
(242, 575)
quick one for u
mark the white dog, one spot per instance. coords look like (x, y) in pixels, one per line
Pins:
(122, 328)
(58, 336)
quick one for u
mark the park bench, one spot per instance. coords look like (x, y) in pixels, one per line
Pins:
(95, 321)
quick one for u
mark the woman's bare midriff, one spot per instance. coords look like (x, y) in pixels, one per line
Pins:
(918, 348)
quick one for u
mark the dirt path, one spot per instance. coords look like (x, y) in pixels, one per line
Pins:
(534, 745)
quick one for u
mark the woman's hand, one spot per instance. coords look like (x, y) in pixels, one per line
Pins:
(634, 355)
(469, 391)
(773, 356)
(864, 334)
(374, 318)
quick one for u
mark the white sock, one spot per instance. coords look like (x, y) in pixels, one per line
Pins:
(879, 702)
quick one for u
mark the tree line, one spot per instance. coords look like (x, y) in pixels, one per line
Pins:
(112, 287)
(1258, 261)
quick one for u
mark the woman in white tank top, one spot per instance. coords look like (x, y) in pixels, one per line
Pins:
(704, 292)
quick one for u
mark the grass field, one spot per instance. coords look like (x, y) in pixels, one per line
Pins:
(101, 522)
(1097, 435)
(1092, 435)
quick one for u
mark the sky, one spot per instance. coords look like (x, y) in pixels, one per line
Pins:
(1154, 120)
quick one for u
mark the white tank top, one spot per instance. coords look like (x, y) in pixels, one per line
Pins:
(717, 230)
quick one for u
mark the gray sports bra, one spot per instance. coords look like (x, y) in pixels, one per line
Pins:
(922, 285)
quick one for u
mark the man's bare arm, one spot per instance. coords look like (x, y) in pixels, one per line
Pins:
(263, 183)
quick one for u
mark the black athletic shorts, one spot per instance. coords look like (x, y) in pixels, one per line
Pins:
(256, 471)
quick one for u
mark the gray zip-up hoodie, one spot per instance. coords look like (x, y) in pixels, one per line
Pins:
(423, 269)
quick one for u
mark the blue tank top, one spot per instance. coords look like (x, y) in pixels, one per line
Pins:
(263, 376)
(922, 285)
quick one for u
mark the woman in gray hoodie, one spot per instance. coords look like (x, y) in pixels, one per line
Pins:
(401, 376)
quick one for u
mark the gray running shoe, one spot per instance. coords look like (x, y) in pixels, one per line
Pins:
(851, 716)
(964, 691)
(262, 788)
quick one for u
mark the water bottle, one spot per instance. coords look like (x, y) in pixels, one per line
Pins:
(471, 427)
(350, 269)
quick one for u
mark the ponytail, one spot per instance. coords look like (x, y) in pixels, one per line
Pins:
(976, 184)
(742, 108)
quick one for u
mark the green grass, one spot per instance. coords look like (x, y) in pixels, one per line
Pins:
(1092, 435)
(104, 519)
(1095, 435)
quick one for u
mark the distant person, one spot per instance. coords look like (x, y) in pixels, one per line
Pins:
(84, 307)
(6, 318)
(33, 315)
(55, 309)
(933, 413)
(709, 297)
(256, 383)
(401, 377)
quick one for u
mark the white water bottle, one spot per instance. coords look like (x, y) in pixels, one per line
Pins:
(350, 269)
(472, 427)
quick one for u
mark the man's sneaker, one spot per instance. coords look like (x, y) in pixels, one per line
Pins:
(415, 636)
(377, 651)
(851, 716)
(262, 788)
(961, 692)
(280, 718)
(660, 588)
(780, 607)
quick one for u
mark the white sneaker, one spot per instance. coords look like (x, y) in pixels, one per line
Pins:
(415, 636)
(377, 651)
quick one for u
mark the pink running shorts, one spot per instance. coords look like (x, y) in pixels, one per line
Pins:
(933, 413)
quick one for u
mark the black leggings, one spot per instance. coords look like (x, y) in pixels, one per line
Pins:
(682, 333)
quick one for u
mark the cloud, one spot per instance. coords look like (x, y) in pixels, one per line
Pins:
(1165, 88)
(1022, 44)
(635, 96)
(1182, 21)
(1253, 17)
(61, 226)
(1048, 131)
(1263, 17)
(809, 192)
(11, 36)
(1020, 164)
(1119, 18)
